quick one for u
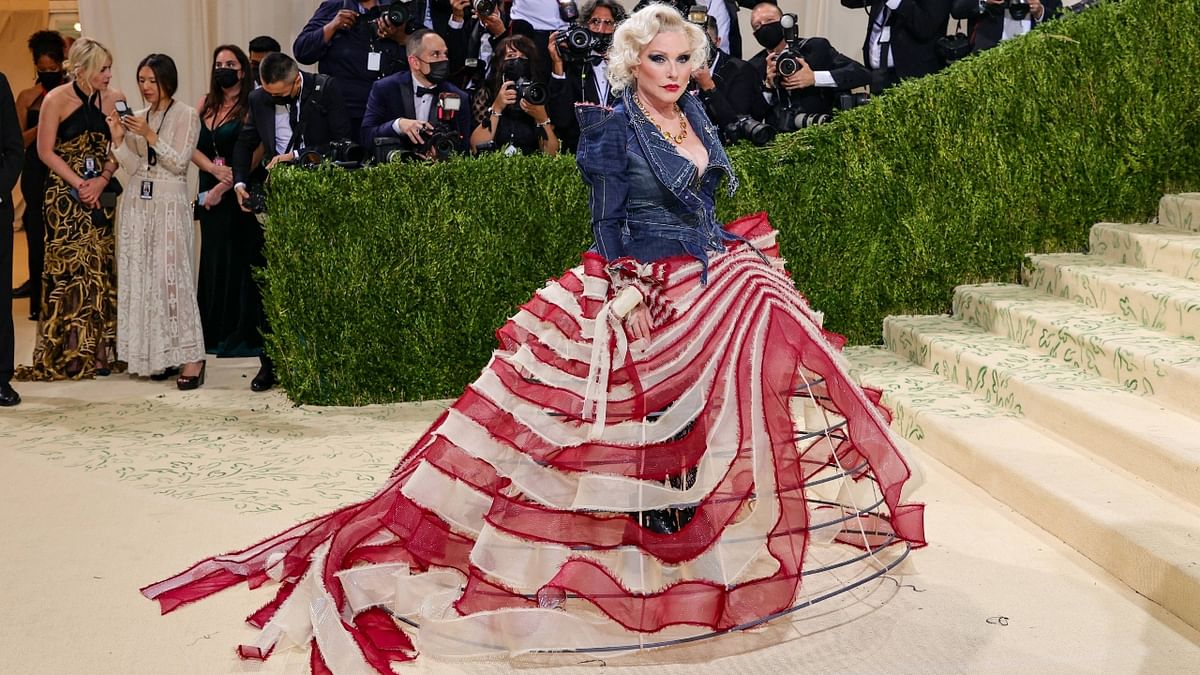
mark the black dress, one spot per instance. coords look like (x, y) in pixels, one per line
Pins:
(231, 242)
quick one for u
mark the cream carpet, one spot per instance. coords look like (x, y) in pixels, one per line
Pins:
(114, 483)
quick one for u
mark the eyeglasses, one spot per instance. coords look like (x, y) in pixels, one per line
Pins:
(602, 23)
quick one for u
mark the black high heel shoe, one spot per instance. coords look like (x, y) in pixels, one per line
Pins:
(166, 374)
(187, 382)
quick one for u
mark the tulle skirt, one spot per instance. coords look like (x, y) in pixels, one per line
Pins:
(589, 492)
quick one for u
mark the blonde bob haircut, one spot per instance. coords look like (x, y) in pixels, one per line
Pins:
(634, 33)
(87, 57)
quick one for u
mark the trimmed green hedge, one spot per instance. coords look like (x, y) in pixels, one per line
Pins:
(387, 284)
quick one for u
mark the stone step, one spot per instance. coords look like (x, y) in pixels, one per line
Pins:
(1141, 360)
(1154, 247)
(1155, 300)
(1180, 212)
(1159, 445)
(1143, 536)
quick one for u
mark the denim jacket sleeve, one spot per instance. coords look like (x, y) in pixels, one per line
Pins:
(602, 160)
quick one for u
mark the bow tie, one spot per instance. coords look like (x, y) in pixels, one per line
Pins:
(424, 91)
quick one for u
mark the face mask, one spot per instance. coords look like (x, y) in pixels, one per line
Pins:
(226, 77)
(254, 73)
(438, 71)
(769, 34)
(50, 79)
(515, 69)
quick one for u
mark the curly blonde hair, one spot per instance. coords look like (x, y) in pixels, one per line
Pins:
(634, 33)
(86, 58)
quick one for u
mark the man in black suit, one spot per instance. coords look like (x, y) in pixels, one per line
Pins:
(813, 88)
(12, 154)
(291, 111)
(582, 81)
(408, 104)
(901, 38)
(990, 22)
(728, 86)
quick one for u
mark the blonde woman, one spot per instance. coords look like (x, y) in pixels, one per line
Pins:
(78, 329)
(626, 472)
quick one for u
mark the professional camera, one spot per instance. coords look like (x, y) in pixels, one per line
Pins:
(443, 141)
(484, 7)
(388, 150)
(850, 100)
(576, 43)
(746, 128)
(793, 120)
(1017, 9)
(787, 63)
(406, 13)
(345, 154)
(534, 92)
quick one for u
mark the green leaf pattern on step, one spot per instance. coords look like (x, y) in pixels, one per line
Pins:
(1181, 212)
(907, 388)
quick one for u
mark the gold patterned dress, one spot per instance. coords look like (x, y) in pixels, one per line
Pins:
(78, 331)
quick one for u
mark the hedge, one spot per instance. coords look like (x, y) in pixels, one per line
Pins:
(387, 284)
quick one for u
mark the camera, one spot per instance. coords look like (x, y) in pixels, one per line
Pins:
(1017, 9)
(851, 100)
(746, 128)
(787, 63)
(484, 7)
(389, 150)
(443, 141)
(404, 14)
(344, 153)
(534, 92)
(576, 43)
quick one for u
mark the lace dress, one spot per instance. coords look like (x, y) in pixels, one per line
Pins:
(159, 322)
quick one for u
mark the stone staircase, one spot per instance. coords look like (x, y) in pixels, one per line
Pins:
(1074, 398)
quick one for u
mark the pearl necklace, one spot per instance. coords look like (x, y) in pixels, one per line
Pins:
(677, 139)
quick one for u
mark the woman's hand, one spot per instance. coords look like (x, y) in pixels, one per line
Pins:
(537, 112)
(505, 97)
(89, 192)
(137, 125)
(223, 174)
(115, 129)
(638, 322)
(213, 196)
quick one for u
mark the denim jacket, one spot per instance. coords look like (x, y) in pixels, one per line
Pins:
(647, 201)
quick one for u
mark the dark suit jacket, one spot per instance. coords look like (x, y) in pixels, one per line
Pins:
(985, 30)
(736, 92)
(321, 124)
(916, 27)
(820, 55)
(579, 86)
(392, 98)
(12, 149)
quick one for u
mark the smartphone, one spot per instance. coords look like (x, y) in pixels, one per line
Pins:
(123, 108)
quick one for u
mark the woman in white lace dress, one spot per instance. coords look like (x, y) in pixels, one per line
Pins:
(158, 320)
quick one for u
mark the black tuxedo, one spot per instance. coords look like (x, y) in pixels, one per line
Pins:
(579, 86)
(986, 30)
(393, 97)
(12, 155)
(916, 26)
(323, 118)
(820, 55)
(736, 92)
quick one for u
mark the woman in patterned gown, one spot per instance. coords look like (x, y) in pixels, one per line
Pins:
(626, 471)
(78, 330)
(231, 240)
(158, 320)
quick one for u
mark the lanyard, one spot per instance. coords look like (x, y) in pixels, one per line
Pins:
(151, 155)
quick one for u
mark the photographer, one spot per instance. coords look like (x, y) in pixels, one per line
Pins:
(517, 120)
(580, 73)
(728, 86)
(354, 43)
(257, 50)
(537, 19)
(801, 77)
(990, 22)
(406, 106)
(901, 40)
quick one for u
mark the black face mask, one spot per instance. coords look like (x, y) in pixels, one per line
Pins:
(254, 73)
(50, 79)
(601, 42)
(515, 69)
(769, 34)
(225, 77)
(438, 71)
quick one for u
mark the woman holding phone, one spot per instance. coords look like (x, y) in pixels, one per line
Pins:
(77, 335)
(158, 320)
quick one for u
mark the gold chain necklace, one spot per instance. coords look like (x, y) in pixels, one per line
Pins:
(676, 139)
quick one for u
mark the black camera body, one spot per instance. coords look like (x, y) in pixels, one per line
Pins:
(575, 43)
(787, 62)
(344, 153)
(850, 100)
(1017, 9)
(746, 128)
(443, 140)
(529, 90)
(484, 7)
(256, 201)
(388, 150)
(406, 14)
